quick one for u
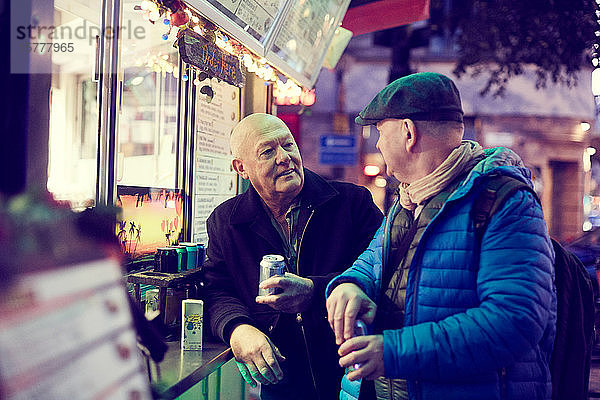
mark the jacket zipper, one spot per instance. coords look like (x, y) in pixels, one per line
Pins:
(299, 315)
(301, 239)
(386, 232)
(414, 307)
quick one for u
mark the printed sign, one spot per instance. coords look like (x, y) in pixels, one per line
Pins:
(338, 150)
(197, 51)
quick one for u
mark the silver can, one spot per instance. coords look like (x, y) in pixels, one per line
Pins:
(271, 265)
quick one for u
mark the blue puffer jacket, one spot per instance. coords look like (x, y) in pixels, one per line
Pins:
(478, 324)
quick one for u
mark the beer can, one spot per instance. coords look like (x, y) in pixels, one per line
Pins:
(201, 255)
(192, 254)
(181, 257)
(271, 265)
(166, 260)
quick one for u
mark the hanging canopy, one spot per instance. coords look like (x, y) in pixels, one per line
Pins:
(364, 16)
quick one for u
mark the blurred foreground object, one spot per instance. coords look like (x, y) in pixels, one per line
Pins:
(66, 327)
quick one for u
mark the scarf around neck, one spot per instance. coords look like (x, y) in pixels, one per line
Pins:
(460, 160)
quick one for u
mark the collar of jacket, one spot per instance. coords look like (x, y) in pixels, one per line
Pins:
(315, 192)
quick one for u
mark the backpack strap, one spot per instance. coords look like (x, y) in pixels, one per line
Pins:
(497, 188)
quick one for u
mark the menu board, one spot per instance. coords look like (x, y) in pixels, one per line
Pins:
(214, 178)
(305, 34)
(253, 16)
(293, 35)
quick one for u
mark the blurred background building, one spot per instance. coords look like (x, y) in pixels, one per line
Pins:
(552, 128)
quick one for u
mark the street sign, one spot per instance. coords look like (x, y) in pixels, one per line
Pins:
(338, 150)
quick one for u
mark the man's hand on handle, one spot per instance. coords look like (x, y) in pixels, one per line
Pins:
(256, 356)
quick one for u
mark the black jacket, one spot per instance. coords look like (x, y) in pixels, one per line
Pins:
(343, 221)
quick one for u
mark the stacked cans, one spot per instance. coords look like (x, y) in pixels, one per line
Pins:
(183, 257)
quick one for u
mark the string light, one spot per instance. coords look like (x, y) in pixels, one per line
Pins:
(595, 59)
(185, 18)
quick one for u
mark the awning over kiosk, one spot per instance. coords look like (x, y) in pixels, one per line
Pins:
(364, 16)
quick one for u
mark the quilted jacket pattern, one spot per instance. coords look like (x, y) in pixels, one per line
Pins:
(480, 317)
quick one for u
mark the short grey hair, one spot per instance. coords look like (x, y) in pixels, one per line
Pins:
(441, 129)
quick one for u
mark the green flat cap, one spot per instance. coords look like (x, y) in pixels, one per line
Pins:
(424, 96)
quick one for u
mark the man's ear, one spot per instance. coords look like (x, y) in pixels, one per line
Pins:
(238, 167)
(411, 136)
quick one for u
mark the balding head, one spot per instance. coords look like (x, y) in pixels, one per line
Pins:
(250, 128)
(266, 153)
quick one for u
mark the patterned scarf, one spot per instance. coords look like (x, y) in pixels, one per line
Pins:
(460, 160)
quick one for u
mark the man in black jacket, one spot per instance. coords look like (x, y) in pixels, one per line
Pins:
(282, 341)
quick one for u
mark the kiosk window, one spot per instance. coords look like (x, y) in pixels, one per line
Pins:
(148, 120)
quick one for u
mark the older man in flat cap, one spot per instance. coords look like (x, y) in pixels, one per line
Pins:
(282, 340)
(456, 312)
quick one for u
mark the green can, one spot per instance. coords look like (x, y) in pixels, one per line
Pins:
(181, 257)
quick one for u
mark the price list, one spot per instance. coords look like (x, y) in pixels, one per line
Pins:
(214, 179)
(256, 16)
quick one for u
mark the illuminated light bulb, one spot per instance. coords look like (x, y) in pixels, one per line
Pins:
(195, 19)
(252, 67)
(296, 91)
(380, 182)
(169, 68)
(247, 60)
(225, 38)
(585, 126)
(596, 82)
(197, 29)
(294, 100)
(137, 80)
(591, 151)
(154, 15)
(196, 81)
(165, 36)
(188, 12)
(262, 60)
(184, 77)
(371, 170)
(308, 98)
(145, 4)
(595, 62)
(165, 56)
